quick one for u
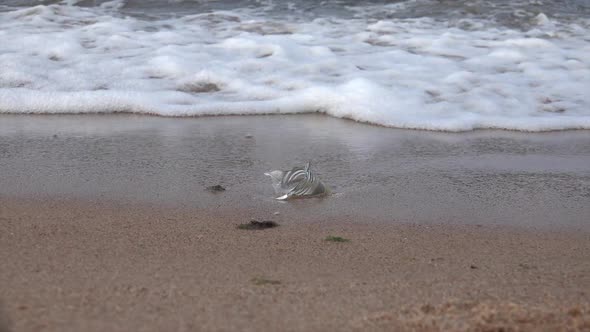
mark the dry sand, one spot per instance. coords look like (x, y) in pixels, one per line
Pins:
(99, 266)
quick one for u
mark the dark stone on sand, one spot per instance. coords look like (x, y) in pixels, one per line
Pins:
(473, 267)
(216, 188)
(427, 308)
(264, 281)
(257, 225)
(332, 238)
(526, 266)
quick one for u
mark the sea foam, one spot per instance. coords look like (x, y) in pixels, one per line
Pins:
(420, 73)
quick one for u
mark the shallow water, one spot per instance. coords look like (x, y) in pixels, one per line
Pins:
(382, 174)
(422, 64)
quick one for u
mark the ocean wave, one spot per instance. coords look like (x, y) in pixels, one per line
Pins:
(414, 72)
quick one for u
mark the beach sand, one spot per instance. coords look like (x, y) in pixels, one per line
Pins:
(71, 266)
(106, 225)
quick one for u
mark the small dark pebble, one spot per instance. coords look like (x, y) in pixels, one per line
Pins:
(255, 225)
(216, 188)
(473, 267)
(427, 308)
(526, 266)
(574, 312)
(264, 281)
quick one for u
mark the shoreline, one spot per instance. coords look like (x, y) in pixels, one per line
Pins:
(530, 180)
(101, 266)
(294, 114)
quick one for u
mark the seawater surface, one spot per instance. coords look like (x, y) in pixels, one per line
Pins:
(422, 64)
(376, 174)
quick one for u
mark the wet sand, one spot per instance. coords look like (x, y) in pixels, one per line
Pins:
(105, 224)
(537, 180)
